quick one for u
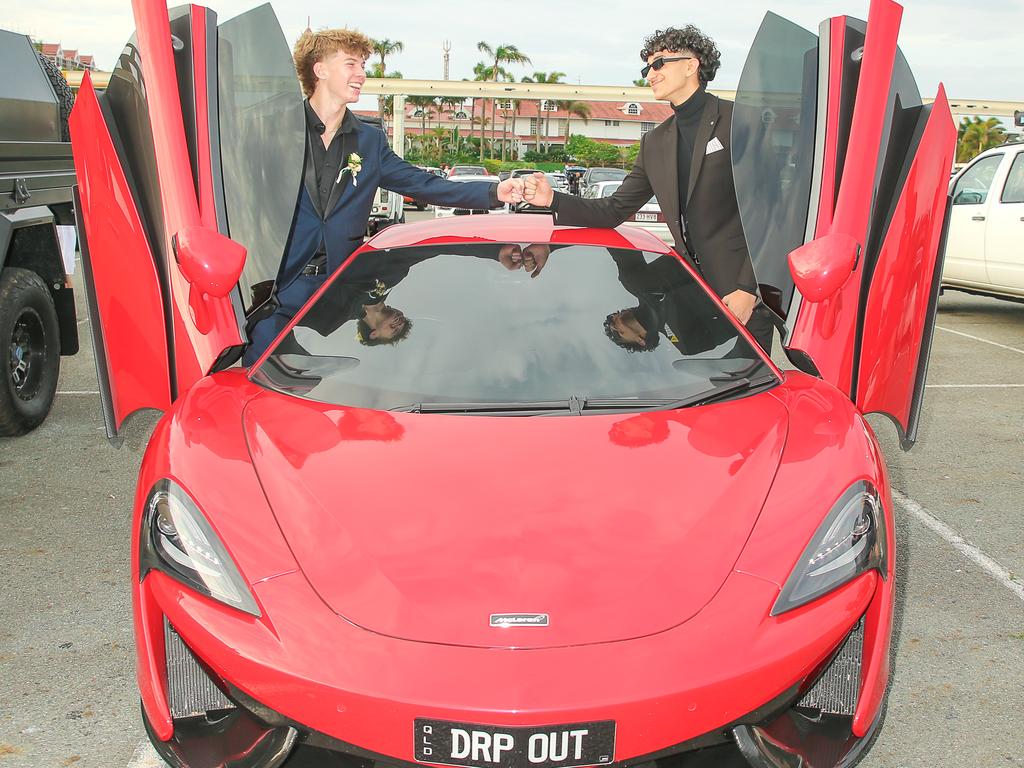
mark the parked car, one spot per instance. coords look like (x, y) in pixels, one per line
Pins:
(388, 207)
(518, 172)
(38, 324)
(558, 181)
(575, 516)
(441, 212)
(421, 205)
(649, 217)
(467, 170)
(985, 246)
(595, 175)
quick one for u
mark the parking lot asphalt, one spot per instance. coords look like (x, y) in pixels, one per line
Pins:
(67, 688)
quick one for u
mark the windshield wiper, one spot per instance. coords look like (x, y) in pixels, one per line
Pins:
(510, 408)
(579, 405)
(733, 387)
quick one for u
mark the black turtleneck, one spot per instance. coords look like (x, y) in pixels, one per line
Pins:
(688, 116)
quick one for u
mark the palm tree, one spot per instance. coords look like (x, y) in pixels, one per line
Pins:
(640, 83)
(544, 77)
(426, 105)
(384, 48)
(502, 54)
(506, 113)
(975, 135)
(480, 72)
(579, 108)
(385, 104)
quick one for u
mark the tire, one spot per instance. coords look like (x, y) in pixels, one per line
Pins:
(30, 342)
(420, 206)
(65, 96)
(401, 219)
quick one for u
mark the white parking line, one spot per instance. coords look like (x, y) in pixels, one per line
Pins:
(973, 386)
(146, 757)
(78, 392)
(968, 550)
(84, 320)
(978, 338)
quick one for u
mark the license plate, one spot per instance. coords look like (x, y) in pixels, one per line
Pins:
(494, 746)
(646, 217)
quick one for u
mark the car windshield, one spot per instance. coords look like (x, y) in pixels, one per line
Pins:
(468, 170)
(606, 174)
(513, 323)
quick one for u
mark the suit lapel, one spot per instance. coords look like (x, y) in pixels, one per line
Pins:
(349, 144)
(309, 176)
(708, 121)
(665, 181)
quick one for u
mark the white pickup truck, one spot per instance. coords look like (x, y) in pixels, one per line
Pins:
(985, 246)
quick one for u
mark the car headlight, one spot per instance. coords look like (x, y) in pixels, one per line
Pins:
(850, 541)
(179, 541)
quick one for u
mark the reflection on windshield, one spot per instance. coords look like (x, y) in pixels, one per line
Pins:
(508, 323)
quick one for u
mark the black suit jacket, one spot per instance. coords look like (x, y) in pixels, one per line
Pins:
(712, 214)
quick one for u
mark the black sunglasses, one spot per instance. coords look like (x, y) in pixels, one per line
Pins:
(661, 62)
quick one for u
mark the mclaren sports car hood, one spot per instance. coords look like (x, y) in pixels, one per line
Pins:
(584, 529)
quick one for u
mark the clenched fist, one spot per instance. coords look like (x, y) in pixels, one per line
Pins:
(511, 191)
(538, 190)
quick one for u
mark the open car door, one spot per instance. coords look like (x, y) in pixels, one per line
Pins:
(841, 174)
(189, 166)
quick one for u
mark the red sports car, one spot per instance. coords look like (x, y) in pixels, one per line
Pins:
(506, 494)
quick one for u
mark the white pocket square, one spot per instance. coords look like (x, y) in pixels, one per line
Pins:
(713, 146)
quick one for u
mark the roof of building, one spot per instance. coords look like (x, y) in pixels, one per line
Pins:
(51, 49)
(71, 53)
(648, 111)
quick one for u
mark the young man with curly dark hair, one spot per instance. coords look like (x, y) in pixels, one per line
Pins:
(685, 162)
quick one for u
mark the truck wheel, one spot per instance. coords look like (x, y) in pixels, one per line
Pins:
(65, 96)
(30, 341)
(420, 206)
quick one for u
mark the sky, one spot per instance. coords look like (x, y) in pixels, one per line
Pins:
(974, 48)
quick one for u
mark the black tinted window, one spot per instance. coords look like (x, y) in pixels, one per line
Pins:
(464, 324)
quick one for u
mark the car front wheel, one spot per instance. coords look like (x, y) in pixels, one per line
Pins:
(30, 336)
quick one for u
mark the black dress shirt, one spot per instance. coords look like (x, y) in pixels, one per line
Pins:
(328, 161)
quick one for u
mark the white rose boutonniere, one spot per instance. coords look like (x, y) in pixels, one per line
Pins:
(355, 165)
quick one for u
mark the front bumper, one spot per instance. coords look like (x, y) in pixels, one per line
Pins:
(792, 731)
(321, 686)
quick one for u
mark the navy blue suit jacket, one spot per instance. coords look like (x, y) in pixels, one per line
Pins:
(342, 226)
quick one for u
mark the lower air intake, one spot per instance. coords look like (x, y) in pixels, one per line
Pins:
(836, 691)
(190, 691)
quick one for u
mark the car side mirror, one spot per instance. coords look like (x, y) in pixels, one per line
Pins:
(820, 267)
(964, 197)
(211, 262)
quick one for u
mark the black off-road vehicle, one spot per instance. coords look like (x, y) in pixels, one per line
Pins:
(37, 177)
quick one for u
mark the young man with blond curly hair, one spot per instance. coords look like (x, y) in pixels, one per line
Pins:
(346, 161)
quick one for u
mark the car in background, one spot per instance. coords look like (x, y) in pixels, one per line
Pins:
(441, 212)
(420, 205)
(595, 175)
(519, 172)
(558, 181)
(985, 245)
(388, 208)
(649, 217)
(467, 170)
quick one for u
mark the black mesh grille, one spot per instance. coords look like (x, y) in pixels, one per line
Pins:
(190, 691)
(836, 691)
